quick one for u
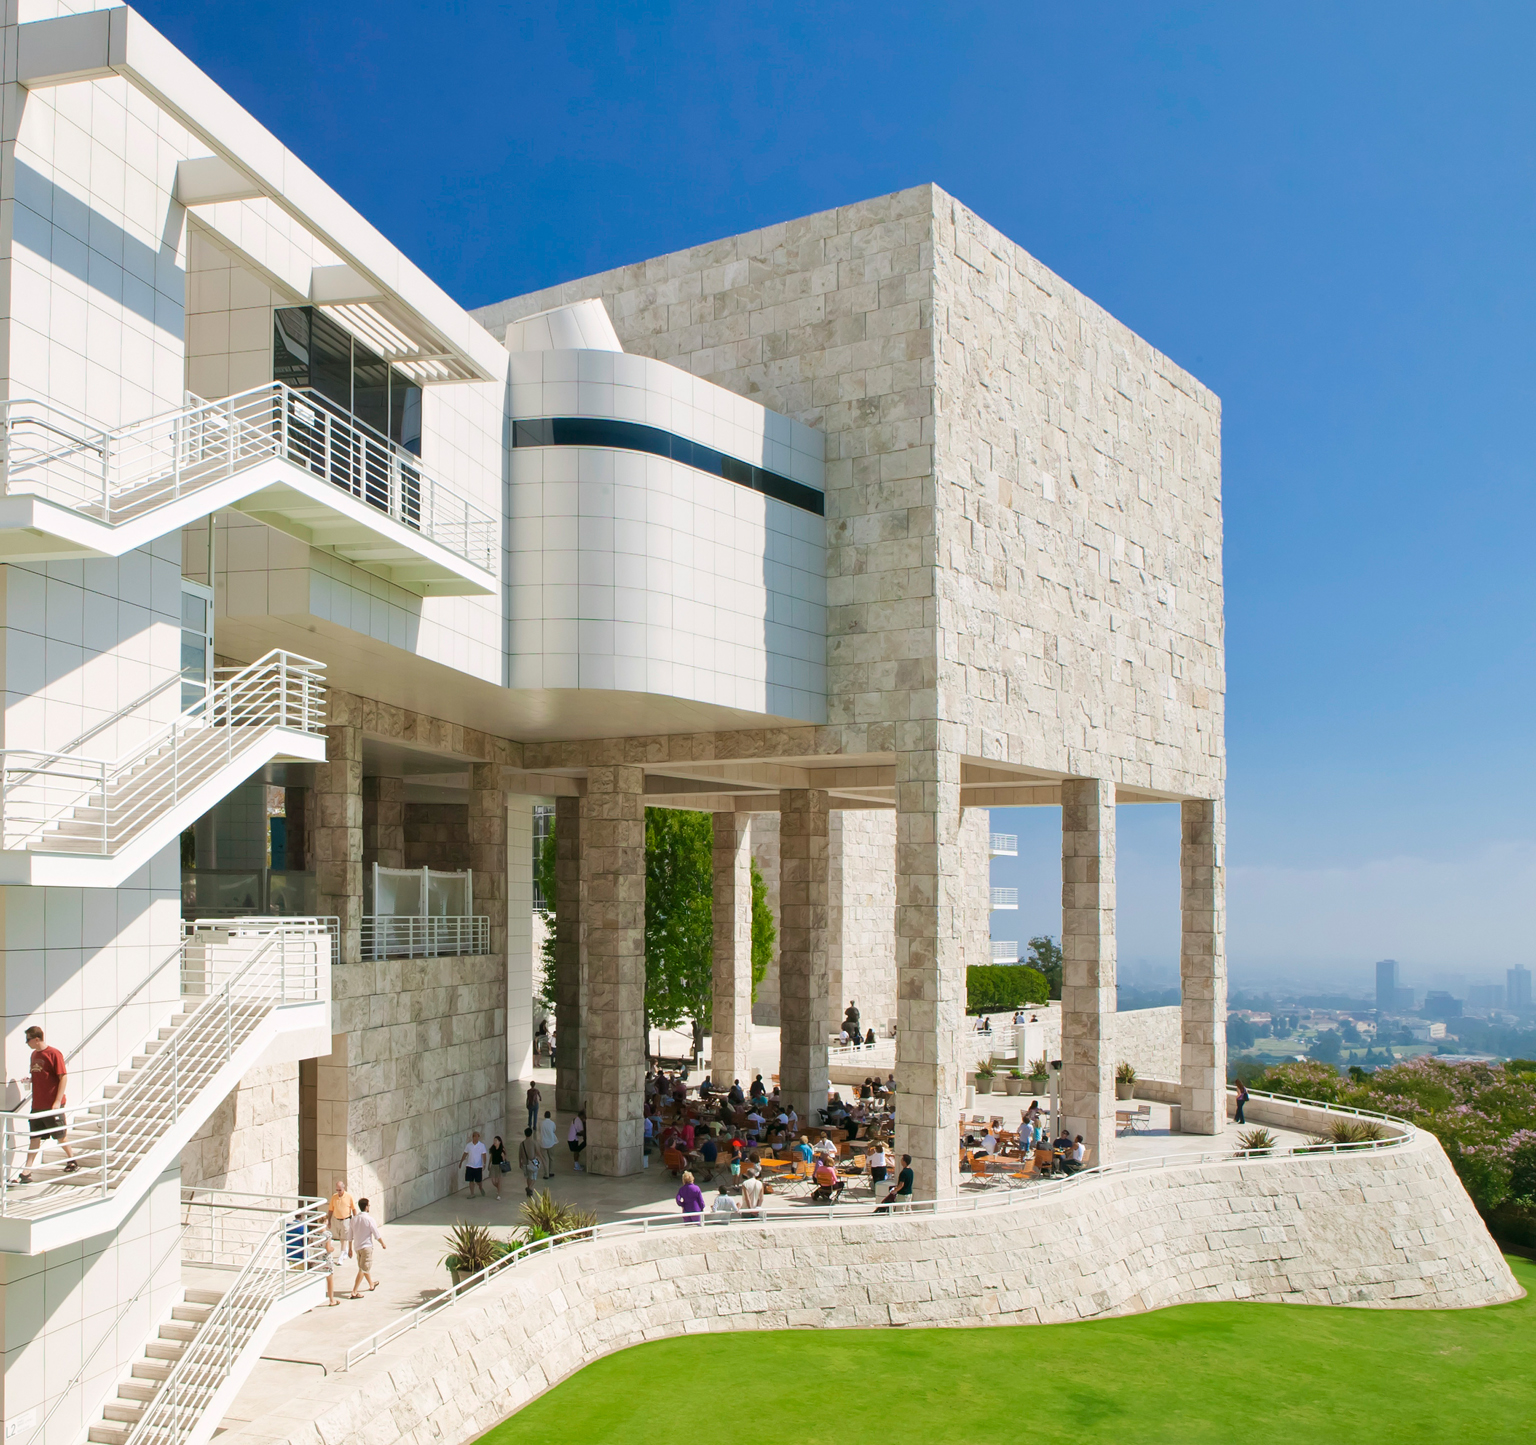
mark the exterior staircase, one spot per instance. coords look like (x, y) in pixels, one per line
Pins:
(71, 820)
(161, 1354)
(243, 984)
(292, 458)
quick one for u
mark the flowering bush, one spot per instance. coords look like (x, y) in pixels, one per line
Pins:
(1484, 1115)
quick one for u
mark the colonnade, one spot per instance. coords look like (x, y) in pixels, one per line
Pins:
(600, 959)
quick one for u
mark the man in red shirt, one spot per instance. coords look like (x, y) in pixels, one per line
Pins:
(48, 1076)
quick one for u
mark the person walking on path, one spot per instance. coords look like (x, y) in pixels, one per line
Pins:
(528, 1161)
(340, 1210)
(690, 1199)
(900, 1196)
(365, 1234)
(48, 1076)
(473, 1161)
(549, 1136)
(533, 1100)
(1242, 1101)
(499, 1163)
(576, 1139)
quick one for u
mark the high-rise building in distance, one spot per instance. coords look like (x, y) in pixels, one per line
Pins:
(1518, 986)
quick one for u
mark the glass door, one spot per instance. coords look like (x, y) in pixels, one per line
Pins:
(196, 644)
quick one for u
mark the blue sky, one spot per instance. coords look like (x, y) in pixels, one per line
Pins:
(1324, 212)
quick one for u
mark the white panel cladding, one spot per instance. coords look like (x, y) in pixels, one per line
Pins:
(636, 573)
(642, 389)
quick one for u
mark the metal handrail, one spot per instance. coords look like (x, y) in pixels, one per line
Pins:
(285, 966)
(1005, 898)
(428, 935)
(289, 1254)
(1014, 1196)
(1004, 843)
(109, 803)
(123, 472)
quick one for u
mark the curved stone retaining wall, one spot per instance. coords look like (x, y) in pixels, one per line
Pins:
(1384, 1228)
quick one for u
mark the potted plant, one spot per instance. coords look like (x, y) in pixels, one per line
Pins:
(1255, 1144)
(1040, 1074)
(1125, 1082)
(1014, 1083)
(471, 1248)
(984, 1078)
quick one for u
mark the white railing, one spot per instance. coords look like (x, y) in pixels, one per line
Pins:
(880, 1054)
(399, 935)
(207, 1238)
(1015, 1194)
(1005, 950)
(62, 802)
(1005, 898)
(120, 473)
(1005, 845)
(233, 974)
(274, 1250)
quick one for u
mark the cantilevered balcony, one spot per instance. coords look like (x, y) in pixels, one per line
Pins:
(1005, 898)
(75, 490)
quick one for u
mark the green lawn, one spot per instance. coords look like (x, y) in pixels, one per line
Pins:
(1246, 1373)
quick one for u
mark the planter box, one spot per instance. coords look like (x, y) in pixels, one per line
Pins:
(983, 1086)
(1040, 1083)
(1014, 1086)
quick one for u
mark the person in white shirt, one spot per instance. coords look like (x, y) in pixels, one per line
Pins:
(474, 1164)
(751, 1194)
(990, 1142)
(879, 1162)
(1078, 1156)
(548, 1137)
(365, 1234)
(825, 1146)
(723, 1207)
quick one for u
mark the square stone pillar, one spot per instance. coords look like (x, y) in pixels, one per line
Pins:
(613, 841)
(932, 905)
(803, 949)
(731, 1036)
(488, 850)
(1088, 962)
(384, 822)
(570, 989)
(1203, 965)
(336, 825)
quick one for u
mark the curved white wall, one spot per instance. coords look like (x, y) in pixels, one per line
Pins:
(1389, 1228)
(634, 572)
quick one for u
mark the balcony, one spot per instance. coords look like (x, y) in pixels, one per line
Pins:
(1004, 898)
(1005, 950)
(290, 458)
(1005, 845)
(398, 935)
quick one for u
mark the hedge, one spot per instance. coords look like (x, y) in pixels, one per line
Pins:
(993, 987)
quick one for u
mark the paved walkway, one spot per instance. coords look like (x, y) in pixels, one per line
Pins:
(410, 1269)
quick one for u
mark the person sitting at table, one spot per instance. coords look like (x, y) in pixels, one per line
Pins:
(679, 1090)
(825, 1147)
(755, 1122)
(775, 1098)
(709, 1150)
(801, 1150)
(792, 1120)
(890, 1083)
(650, 1084)
(759, 1089)
(828, 1186)
(736, 1096)
(1076, 1157)
(706, 1088)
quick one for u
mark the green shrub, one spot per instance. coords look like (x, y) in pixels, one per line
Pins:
(995, 987)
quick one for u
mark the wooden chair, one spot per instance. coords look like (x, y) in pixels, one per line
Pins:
(675, 1161)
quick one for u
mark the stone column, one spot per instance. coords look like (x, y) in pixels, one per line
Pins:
(570, 958)
(384, 822)
(613, 837)
(803, 949)
(488, 850)
(1203, 965)
(731, 1036)
(520, 960)
(931, 908)
(1088, 962)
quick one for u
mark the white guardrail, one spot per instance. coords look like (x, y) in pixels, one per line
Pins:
(118, 473)
(1005, 845)
(67, 803)
(1011, 1197)
(233, 973)
(400, 935)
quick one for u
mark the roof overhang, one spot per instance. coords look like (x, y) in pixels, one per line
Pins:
(427, 332)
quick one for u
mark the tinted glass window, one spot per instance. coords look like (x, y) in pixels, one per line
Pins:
(290, 346)
(330, 359)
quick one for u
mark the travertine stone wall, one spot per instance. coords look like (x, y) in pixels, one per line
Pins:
(251, 1141)
(731, 901)
(1203, 964)
(570, 956)
(1148, 1040)
(437, 836)
(803, 1008)
(613, 847)
(383, 822)
(862, 927)
(1088, 962)
(1390, 1229)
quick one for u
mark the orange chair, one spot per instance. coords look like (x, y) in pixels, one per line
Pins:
(675, 1160)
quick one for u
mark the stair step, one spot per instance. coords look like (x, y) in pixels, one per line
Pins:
(150, 1370)
(196, 1313)
(164, 1349)
(177, 1330)
(109, 1434)
(204, 1296)
(128, 1411)
(139, 1390)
